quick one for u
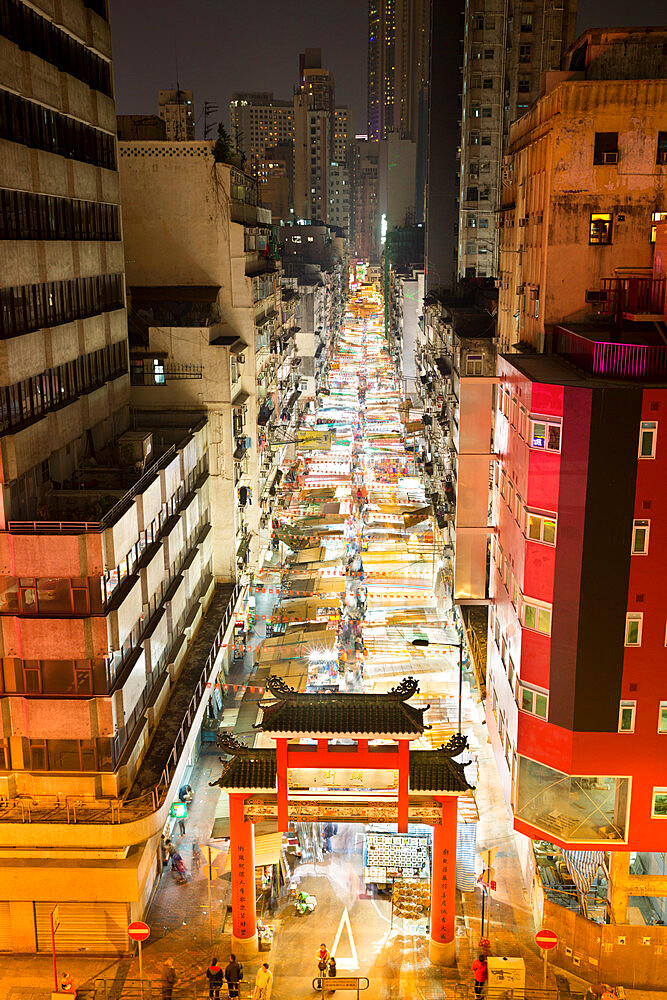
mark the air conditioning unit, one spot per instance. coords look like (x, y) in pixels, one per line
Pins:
(596, 295)
(610, 157)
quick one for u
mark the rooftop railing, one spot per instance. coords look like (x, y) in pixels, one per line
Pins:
(606, 359)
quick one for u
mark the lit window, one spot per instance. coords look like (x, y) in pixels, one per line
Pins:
(541, 527)
(526, 23)
(474, 364)
(662, 717)
(659, 804)
(600, 229)
(544, 434)
(633, 628)
(535, 702)
(626, 716)
(640, 531)
(536, 617)
(658, 216)
(648, 432)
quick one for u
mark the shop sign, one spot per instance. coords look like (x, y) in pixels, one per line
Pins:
(317, 440)
(342, 778)
(179, 810)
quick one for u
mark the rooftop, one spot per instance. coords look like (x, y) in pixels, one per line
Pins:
(343, 714)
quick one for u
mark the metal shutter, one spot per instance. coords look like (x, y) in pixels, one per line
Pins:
(95, 927)
(5, 927)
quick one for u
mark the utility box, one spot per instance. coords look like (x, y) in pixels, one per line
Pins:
(506, 973)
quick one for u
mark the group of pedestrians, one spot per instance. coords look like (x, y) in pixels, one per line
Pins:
(232, 975)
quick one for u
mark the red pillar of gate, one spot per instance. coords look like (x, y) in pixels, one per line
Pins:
(281, 777)
(442, 944)
(403, 780)
(242, 860)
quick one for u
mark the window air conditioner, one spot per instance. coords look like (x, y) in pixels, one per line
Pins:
(610, 157)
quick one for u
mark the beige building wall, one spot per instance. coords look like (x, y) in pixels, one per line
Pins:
(552, 188)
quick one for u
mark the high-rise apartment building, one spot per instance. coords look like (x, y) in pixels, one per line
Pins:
(177, 110)
(573, 226)
(411, 60)
(104, 530)
(365, 200)
(381, 67)
(259, 122)
(504, 57)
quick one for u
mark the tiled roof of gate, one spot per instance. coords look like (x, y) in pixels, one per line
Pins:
(254, 769)
(344, 714)
(435, 771)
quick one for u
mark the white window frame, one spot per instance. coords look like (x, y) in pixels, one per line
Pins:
(623, 706)
(661, 790)
(548, 423)
(662, 707)
(533, 692)
(634, 616)
(541, 517)
(645, 427)
(640, 524)
(538, 606)
(476, 361)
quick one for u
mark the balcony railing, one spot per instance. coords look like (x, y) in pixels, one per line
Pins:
(611, 360)
(631, 298)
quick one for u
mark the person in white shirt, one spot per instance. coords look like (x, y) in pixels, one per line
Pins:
(263, 983)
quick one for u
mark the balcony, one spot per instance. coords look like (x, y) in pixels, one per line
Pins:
(632, 298)
(609, 359)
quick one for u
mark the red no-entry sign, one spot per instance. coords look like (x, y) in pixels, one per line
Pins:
(138, 931)
(546, 939)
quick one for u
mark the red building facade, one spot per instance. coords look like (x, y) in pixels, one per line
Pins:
(577, 666)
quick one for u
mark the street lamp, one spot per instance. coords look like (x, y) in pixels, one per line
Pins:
(421, 643)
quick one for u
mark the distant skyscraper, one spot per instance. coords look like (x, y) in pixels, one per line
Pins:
(177, 110)
(503, 61)
(411, 44)
(259, 123)
(381, 67)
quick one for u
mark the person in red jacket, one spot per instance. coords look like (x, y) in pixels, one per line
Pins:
(480, 971)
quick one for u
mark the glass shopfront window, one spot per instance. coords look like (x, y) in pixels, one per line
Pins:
(587, 809)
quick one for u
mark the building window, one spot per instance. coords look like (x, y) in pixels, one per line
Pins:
(659, 804)
(488, 83)
(472, 194)
(600, 229)
(525, 53)
(524, 85)
(633, 628)
(640, 532)
(661, 155)
(534, 702)
(662, 717)
(544, 435)
(648, 433)
(473, 138)
(536, 617)
(475, 110)
(626, 716)
(488, 53)
(655, 218)
(541, 527)
(605, 149)
(487, 112)
(474, 364)
(478, 22)
(472, 222)
(526, 23)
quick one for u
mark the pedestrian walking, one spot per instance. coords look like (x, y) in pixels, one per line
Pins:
(233, 975)
(169, 978)
(263, 983)
(480, 971)
(181, 826)
(215, 976)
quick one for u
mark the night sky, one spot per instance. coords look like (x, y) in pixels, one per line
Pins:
(226, 45)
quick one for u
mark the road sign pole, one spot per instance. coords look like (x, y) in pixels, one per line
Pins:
(141, 968)
(53, 949)
(544, 955)
(210, 910)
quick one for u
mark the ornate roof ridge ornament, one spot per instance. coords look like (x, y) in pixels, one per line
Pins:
(407, 688)
(455, 745)
(278, 687)
(229, 743)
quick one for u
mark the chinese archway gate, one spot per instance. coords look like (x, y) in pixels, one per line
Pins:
(408, 785)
